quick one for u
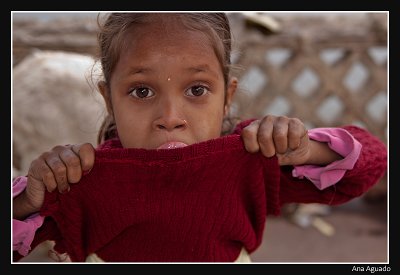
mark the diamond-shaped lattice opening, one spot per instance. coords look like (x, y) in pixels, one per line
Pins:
(359, 124)
(356, 77)
(378, 54)
(305, 83)
(377, 106)
(278, 107)
(332, 55)
(330, 109)
(253, 81)
(278, 57)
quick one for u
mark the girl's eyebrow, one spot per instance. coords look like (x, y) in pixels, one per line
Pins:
(199, 68)
(139, 70)
(203, 68)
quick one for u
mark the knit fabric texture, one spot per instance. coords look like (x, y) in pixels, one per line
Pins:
(200, 203)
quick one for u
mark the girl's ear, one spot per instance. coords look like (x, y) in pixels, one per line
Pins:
(105, 92)
(232, 86)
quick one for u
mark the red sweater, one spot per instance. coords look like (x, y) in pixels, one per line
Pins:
(200, 203)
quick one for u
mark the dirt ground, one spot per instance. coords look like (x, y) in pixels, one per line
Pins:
(360, 236)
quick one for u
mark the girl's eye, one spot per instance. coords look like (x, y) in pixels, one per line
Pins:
(197, 91)
(141, 92)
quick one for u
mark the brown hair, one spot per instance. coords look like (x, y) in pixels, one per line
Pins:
(111, 42)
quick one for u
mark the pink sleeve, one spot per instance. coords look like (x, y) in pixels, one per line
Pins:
(24, 231)
(343, 143)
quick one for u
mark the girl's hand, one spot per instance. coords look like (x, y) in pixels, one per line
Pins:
(284, 137)
(54, 170)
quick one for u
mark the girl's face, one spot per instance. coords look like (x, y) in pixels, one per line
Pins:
(167, 90)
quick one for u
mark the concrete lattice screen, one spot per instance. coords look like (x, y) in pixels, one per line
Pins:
(326, 70)
(321, 94)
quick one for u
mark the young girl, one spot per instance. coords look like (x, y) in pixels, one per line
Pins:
(164, 184)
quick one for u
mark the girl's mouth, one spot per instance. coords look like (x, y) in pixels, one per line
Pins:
(172, 145)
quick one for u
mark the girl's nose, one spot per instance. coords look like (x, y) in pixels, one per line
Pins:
(171, 124)
(170, 118)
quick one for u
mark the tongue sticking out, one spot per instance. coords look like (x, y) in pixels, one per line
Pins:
(172, 145)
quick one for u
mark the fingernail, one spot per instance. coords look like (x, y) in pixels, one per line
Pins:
(87, 172)
(57, 257)
(66, 190)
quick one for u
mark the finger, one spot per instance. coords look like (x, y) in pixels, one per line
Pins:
(59, 170)
(264, 136)
(249, 136)
(297, 130)
(73, 164)
(40, 174)
(280, 134)
(86, 154)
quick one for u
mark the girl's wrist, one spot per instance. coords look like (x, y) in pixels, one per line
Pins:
(22, 207)
(321, 154)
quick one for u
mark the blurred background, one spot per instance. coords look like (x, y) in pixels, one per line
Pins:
(328, 69)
